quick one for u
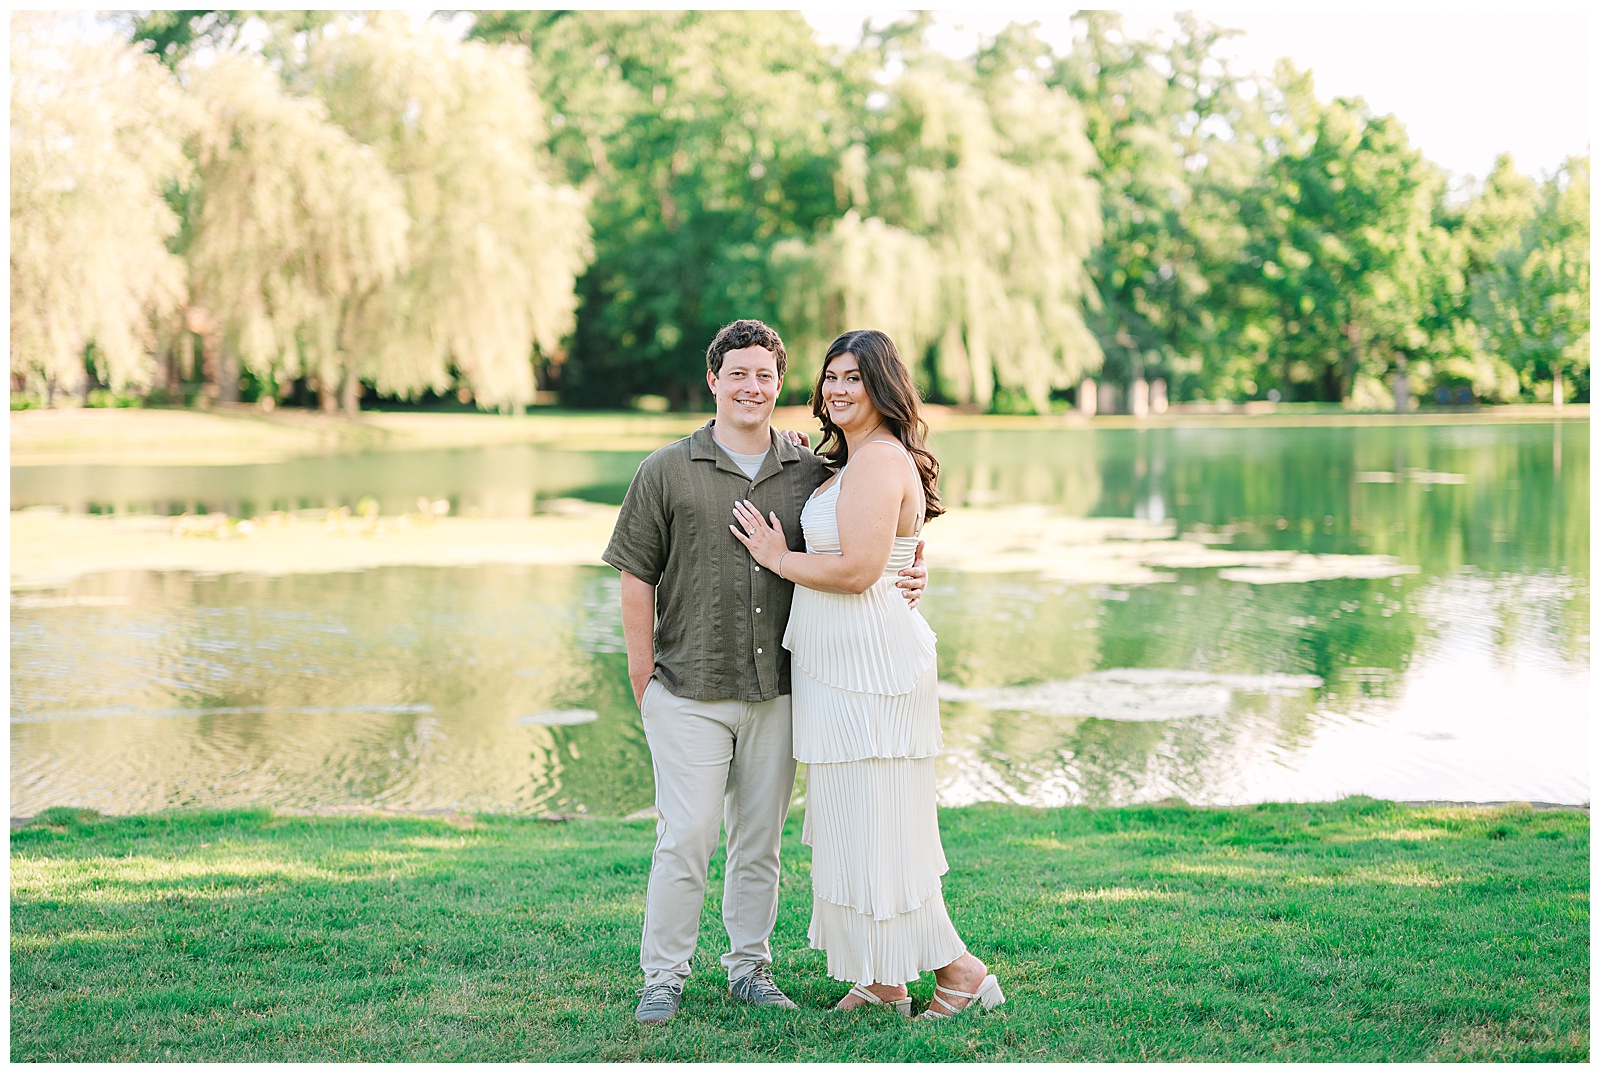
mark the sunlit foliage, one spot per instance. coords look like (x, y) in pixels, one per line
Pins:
(1343, 256)
(1177, 141)
(1533, 300)
(971, 213)
(705, 137)
(495, 243)
(577, 200)
(96, 134)
(294, 226)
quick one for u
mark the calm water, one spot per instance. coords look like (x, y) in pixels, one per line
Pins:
(505, 688)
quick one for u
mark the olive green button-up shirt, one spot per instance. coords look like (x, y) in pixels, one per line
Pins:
(719, 616)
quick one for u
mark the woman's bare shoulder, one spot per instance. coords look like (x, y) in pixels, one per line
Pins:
(881, 467)
(888, 451)
(888, 456)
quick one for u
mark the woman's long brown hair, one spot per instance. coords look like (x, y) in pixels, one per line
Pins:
(889, 387)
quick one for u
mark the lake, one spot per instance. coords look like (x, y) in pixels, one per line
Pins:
(1271, 613)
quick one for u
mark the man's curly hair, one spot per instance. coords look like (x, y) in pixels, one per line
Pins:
(740, 334)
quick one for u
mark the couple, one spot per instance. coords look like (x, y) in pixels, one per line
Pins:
(706, 615)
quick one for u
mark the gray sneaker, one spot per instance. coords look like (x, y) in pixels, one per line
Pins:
(758, 990)
(658, 1003)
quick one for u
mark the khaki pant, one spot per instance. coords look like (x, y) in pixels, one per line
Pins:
(715, 761)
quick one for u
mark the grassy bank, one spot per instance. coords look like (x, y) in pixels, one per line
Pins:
(1360, 930)
(245, 434)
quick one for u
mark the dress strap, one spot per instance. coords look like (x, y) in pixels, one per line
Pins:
(922, 499)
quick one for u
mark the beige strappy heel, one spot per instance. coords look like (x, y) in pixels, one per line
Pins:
(902, 1006)
(988, 996)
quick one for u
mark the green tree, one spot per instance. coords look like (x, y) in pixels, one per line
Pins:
(1533, 300)
(971, 216)
(704, 138)
(292, 227)
(1495, 217)
(1488, 225)
(96, 134)
(495, 241)
(1342, 246)
(1177, 144)
(172, 36)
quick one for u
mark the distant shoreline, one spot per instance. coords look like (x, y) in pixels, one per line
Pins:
(245, 434)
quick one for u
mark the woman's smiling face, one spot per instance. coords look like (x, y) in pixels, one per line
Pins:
(846, 396)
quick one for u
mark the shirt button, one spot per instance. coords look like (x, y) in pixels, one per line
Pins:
(758, 651)
(758, 610)
(757, 569)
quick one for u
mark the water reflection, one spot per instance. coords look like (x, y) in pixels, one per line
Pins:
(492, 482)
(1454, 688)
(505, 687)
(405, 687)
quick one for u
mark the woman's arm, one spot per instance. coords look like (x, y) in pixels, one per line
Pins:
(868, 514)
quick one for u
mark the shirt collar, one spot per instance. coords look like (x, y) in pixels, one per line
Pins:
(703, 447)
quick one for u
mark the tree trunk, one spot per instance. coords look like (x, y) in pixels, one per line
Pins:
(1556, 389)
(1139, 398)
(350, 390)
(1352, 361)
(1088, 399)
(185, 360)
(227, 372)
(168, 384)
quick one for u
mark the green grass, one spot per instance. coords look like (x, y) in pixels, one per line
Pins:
(1360, 930)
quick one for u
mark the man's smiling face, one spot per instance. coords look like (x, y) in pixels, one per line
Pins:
(747, 388)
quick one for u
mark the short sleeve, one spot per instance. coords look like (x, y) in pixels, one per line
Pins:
(639, 540)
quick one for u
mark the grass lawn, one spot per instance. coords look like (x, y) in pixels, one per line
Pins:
(1358, 930)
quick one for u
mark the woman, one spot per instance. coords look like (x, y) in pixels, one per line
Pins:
(866, 706)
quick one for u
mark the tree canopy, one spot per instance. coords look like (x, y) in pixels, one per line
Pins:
(329, 205)
(970, 216)
(293, 223)
(96, 136)
(495, 244)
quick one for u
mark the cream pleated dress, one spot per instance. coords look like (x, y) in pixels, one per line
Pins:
(866, 725)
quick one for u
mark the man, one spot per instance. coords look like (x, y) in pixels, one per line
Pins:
(704, 628)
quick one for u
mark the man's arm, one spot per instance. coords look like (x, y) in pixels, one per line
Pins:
(913, 580)
(639, 632)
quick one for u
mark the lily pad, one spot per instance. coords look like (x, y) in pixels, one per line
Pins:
(558, 717)
(1133, 694)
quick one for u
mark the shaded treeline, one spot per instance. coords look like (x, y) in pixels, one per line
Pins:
(316, 206)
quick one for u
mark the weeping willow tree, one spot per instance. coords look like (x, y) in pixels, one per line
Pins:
(860, 273)
(495, 246)
(96, 133)
(971, 214)
(294, 226)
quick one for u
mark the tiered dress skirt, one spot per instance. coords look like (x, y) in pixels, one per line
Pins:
(866, 725)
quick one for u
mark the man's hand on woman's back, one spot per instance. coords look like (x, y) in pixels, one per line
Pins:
(913, 580)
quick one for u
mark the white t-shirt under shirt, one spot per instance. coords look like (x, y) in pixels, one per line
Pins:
(751, 464)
